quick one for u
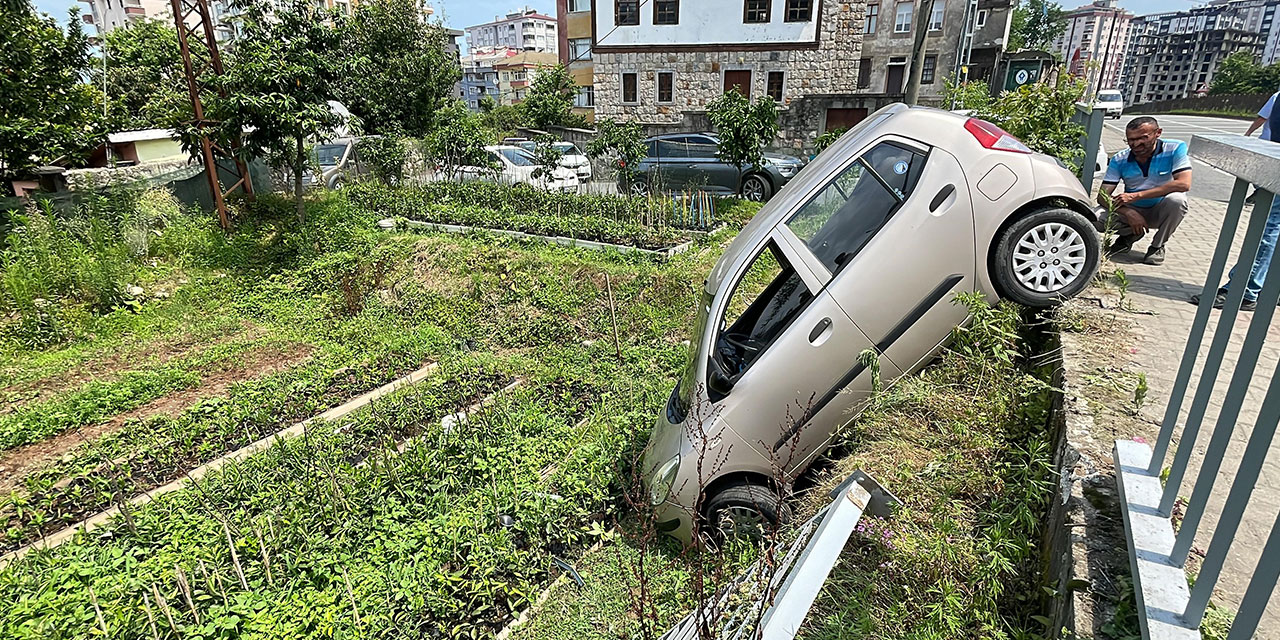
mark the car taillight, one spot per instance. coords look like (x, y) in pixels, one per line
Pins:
(993, 137)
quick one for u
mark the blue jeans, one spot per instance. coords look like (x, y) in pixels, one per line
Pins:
(1262, 262)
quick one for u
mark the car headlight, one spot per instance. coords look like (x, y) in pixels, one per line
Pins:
(787, 170)
(662, 480)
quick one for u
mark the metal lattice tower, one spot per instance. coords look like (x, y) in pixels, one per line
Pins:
(200, 57)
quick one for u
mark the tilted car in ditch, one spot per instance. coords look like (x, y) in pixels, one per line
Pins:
(865, 249)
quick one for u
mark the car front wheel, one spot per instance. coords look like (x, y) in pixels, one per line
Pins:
(639, 188)
(745, 510)
(1046, 257)
(755, 188)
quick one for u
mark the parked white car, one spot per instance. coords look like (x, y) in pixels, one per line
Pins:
(1112, 101)
(571, 157)
(514, 165)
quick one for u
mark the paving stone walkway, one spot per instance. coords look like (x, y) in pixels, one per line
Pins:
(1164, 291)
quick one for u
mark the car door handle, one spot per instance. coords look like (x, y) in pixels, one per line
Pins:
(692, 166)
(820, 329)
(942, 196)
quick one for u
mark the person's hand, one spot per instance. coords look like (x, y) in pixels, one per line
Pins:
(1126, 198)
(1135, 220)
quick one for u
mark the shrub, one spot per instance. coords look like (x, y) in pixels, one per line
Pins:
(1040, 115)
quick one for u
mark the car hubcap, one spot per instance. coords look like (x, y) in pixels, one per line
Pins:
(1049, 257)
(639, 188)
(753, 190)
(744, 522)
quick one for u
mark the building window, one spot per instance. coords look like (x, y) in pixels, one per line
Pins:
(864, 73)
(629, 93)
(579, 5)
(982, 18)
(929, 69)
(902, 18)
(666, 86)
(799, 10)
(935, 16)
(873, 16)
(740, 80)
(666, 11)
(586, 97)
(773, 87)
(579, 49)
(626, 12)
(756, 11)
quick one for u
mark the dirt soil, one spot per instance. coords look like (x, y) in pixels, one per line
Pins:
(17, 463)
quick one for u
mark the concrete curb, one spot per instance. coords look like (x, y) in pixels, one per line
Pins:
(660, 254)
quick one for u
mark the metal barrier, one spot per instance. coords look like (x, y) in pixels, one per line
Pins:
(1091, 118)
(772, 606)
(1169, 608)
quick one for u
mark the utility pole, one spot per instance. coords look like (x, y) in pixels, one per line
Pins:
(917, 54)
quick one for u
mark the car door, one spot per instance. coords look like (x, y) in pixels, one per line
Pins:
(705, 170)
(669, 157)
(892, 237)
(781, 340)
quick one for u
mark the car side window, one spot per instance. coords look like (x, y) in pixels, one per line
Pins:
(843, 217)
(672, 149)
(765, 301)
(701, 147)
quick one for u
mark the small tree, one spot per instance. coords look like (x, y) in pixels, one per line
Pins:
(621, 141)
(744, 128)
(279, 85)
(550, 100)
(47, 111)
(386, 157)
(458, 141)
(973, 94)
(503, 120)
(1039, 114)
(546, 156)
(398, 71)
(1240, 73)
(1035, 24)
(146, 87)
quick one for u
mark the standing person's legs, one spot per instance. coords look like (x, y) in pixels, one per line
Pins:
(1267, 248)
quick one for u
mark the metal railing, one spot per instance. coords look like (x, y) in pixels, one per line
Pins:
(1169, 607)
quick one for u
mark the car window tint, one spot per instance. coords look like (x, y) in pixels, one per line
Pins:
(850, 209)
(768, 297)
(653, 148)
(518, 157)
(672, 149)
(700, 147)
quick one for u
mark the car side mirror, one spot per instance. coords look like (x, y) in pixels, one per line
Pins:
(718, 380)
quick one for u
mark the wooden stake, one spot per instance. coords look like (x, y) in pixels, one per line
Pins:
(151, 619)
(266, 559)
(613, 313)
(355, 610)
(186, 591)
(93, 597)
(164, 607)
(235, 557)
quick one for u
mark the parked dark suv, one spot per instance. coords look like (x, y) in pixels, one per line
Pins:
(680, 161)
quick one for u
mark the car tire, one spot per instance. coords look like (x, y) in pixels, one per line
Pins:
(639, 188)
(1046, 257)
(756, 188)
(744, 509)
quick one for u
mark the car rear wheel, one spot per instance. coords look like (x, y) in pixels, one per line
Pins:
(1046, 257)
(743, 510)
(755, 188)
(639, 187)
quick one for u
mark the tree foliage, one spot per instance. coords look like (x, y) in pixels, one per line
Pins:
(623, 143)
(284, 72)
(146, 87)
(459, 144)
(387, 157)
(744, 127)
(47, 110)
(1040, 113)
(973, 94)
(550, 100)
(1240, 74)
(546, 156)
(398, 72)
(1035, 24)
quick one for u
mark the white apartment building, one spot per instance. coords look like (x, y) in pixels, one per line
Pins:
(523, 30)
(1176, 54)
(1098, 33)
(109, 15)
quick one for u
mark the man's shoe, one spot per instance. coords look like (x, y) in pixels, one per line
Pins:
(1220, 301)
(1122, 245)
(1155, 256)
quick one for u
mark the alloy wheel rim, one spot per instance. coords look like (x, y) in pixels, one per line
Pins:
(1049, 257)
(738, 521)
(753, 190)
(639, 188)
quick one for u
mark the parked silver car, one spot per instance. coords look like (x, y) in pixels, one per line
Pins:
(864, 249)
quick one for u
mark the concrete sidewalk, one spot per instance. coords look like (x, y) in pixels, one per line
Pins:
(1160, 340)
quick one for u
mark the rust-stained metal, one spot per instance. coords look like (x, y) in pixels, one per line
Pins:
(195, 27)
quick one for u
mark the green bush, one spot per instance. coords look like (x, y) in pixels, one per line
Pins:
(1040, 115)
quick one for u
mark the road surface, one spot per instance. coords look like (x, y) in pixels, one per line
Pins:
(1207, 182)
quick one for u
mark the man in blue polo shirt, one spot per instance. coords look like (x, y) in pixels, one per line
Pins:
(1157, 174)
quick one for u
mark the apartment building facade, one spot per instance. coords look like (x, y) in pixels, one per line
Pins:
(517, 73)
(1096, 33)
(574, 20)
(888, 33)
(480, 76)
(109, 15)
(524, 30)
(1176, 54)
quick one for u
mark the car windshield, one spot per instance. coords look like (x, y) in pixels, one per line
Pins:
(682, 398)
(518, 157)
(567, 148)
(1109, 96)
(328, 155)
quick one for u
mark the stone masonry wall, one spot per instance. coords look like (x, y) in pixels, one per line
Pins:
(832, 68)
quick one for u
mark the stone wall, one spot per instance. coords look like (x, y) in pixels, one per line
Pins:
(832, 68)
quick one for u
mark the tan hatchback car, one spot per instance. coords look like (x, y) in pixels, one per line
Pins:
(864, 249)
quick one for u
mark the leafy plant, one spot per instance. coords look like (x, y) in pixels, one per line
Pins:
(1240, 73)
(973, 94)
(550, 100)
(387, 157)
(622, 143)
(1035, 24)
(546, 156)
(459, 141)
(1039, 114)
(828, 138)
(744, 128)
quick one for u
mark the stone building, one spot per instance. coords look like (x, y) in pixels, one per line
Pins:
(660, 62)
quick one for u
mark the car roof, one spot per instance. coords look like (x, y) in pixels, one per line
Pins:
(668, 136)
(943, 129)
